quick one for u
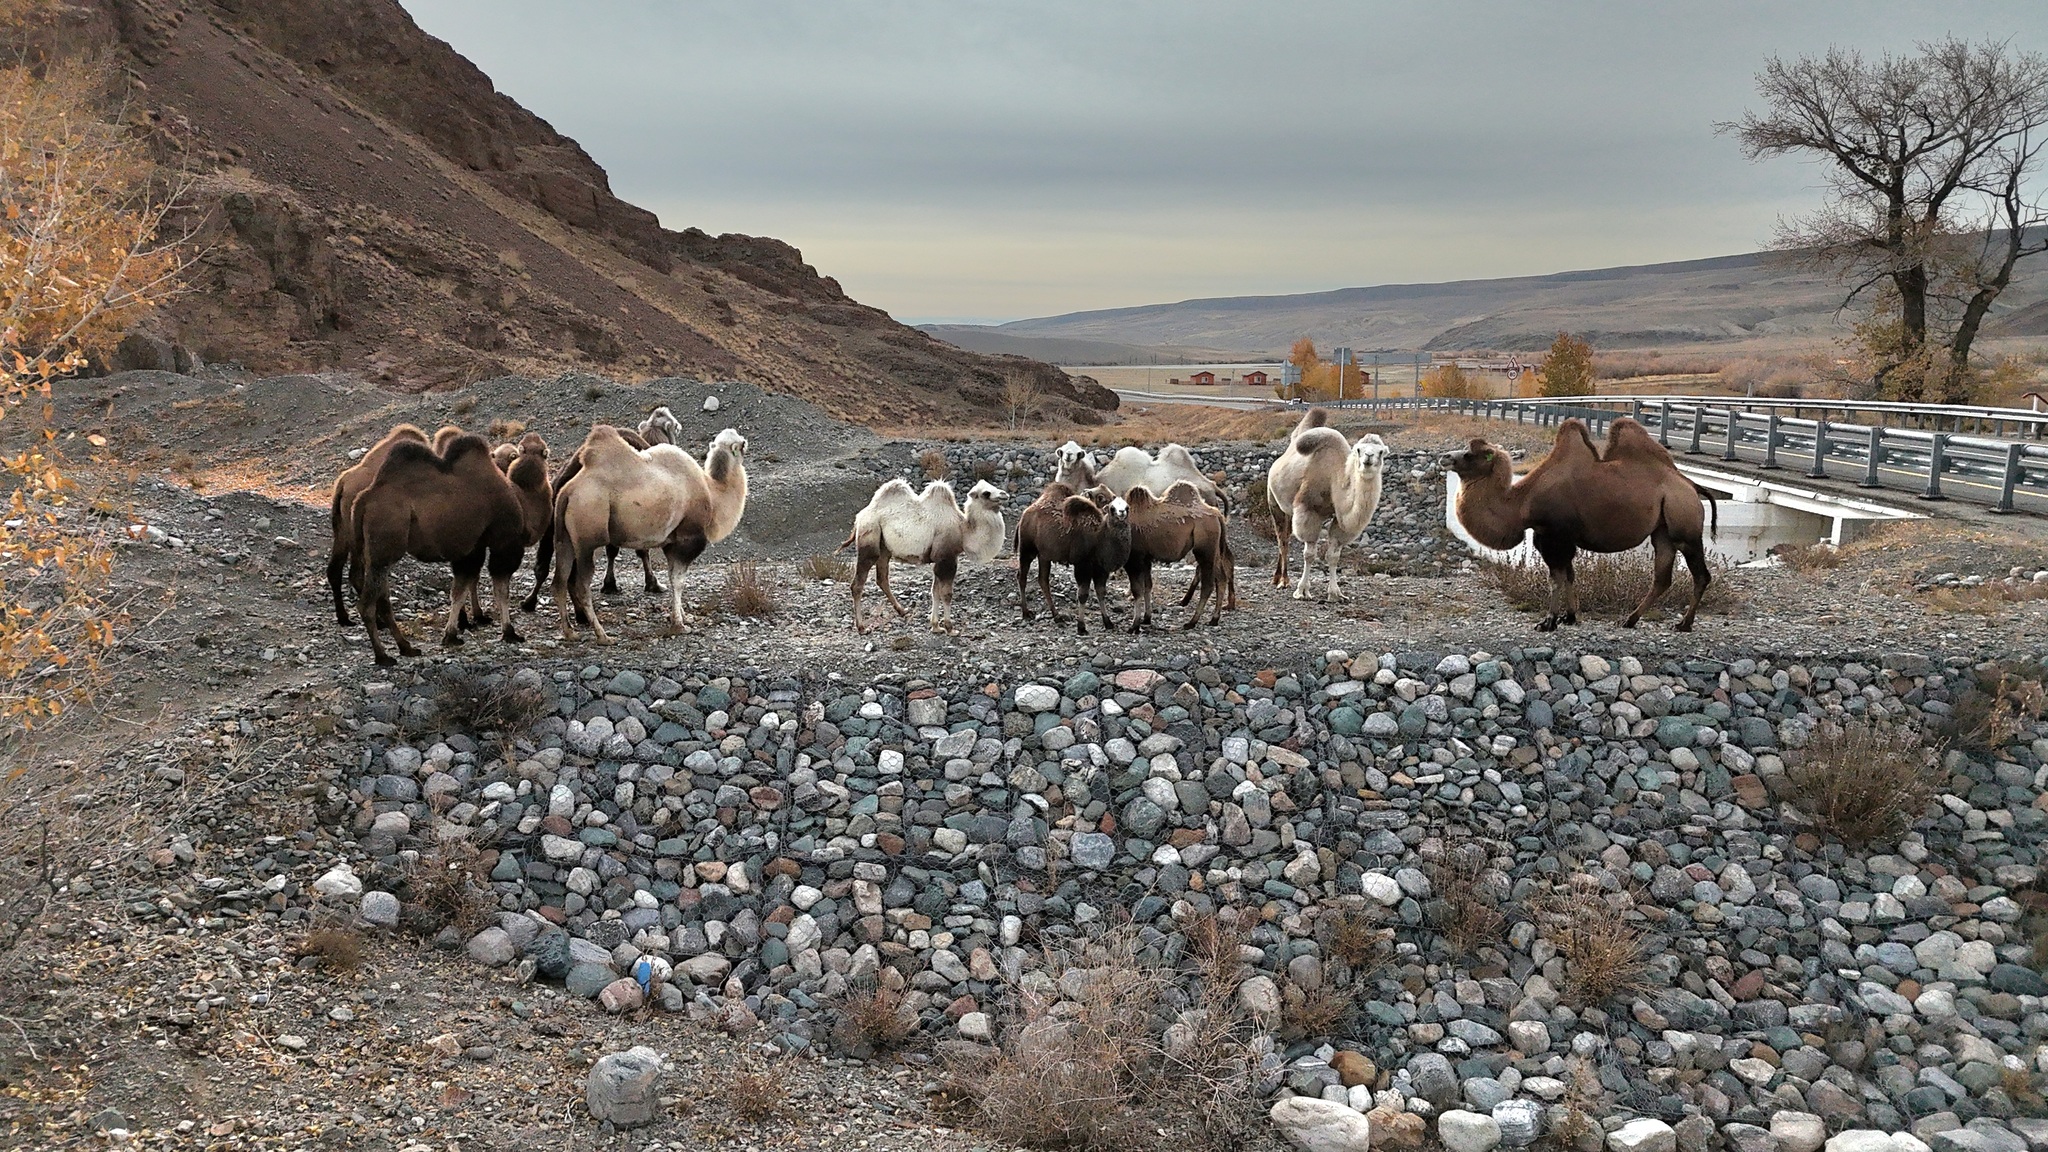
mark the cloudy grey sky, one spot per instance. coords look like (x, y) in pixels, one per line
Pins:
(950, 160)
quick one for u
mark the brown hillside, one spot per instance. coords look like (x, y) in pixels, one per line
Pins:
(371, 202)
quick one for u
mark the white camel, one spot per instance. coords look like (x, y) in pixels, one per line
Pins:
(924, 528)
(1324, 490)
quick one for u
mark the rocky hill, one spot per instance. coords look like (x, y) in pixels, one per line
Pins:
(1750, 298)
(369, 201)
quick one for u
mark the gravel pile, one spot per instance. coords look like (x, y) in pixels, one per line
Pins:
(750, 847)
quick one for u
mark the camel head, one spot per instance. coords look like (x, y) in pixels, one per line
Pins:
(1070, 459)
(730, 440)
(986, 496)
(1370, 454)
(503, 456)
(1116, 513)
(661, 427)
(532, 444)
(1479, 459)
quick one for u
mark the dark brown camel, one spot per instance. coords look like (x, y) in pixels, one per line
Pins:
(1579, 497)
(1063, 527)
(1165, 529)
(454, 508)
(349, 485)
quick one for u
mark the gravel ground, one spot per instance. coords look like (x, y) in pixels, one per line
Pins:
(230, 767)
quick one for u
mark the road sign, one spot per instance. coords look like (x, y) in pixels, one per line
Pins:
(1344, 357)
(1290, 374)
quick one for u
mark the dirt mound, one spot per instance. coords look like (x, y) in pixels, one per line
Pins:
(373, 204)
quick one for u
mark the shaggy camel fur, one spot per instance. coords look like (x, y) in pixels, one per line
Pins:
(1063, 527)
(1076, 468)
(348, 486)
(1325, 491)
(925, 528)
(1073, 466)
(1579, 497)
(657, 497)
(454, 508)
(660, 427)
(1164, 529)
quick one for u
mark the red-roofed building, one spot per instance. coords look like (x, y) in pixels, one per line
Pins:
(1202, 378)
(1255, 378)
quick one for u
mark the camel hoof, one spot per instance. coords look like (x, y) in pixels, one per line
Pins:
(513, 637)
(530, 604)
(609, 587)
(384, 661)
(654, 589)
(1685, 626)
(342, 619)
(1629, 623)
(452, 640)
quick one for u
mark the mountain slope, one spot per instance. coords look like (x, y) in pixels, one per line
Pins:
(371, 202)
(1757, 296)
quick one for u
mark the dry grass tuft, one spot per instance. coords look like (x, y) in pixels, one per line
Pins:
(339, 949)
(503, 429)
(1577, 1116)
(826, 566)
(1314, 1015)
(1258, 510)
(463, 405)
(593, 391)
(1988, 598)
(2021, 1090)
(746, 595)
(1359, 938)
(1999, 706)
(449, 887)
(1462, 906)
(1603, 950)
(1611, 585)
(1816, 557)
(754, 1096)
(873, 1022)
(934, 464)
(1862, 782)
(478, 700)
(986, 469)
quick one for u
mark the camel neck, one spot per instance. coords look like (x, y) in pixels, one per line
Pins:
(1491, 510)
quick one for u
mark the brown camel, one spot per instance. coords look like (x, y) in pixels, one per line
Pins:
(1064, 527)
(454, 508)
(1164, 529)
(351, 484)
(1579, 497)
(655, 498)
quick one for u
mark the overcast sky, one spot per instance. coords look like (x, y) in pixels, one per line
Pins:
(982, 162)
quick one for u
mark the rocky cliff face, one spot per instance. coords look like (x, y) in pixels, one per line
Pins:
(370, 201)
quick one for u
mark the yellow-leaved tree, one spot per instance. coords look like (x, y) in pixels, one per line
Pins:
(1568, 369)
(82, 255)
(1450, 382)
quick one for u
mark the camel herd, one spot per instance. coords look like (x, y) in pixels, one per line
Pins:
(457, 500)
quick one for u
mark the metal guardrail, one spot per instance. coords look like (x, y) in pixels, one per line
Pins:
(2002, 472)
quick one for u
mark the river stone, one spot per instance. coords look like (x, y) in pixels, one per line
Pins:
(1520, 1121)
(621, 1088)
(1643, 1135)
(1314, 1125)
(1037, 698)
(1462, 1131)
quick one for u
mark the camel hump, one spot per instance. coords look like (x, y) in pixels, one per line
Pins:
(1183, 492)
(1317, 417)
(1081, 510)
(1055, 493)
(529, 470)
(938, 489)
(414, 454)
(896, 491)
(1178, 454)
(445, 436)
(464, 445)
(1141, 498)
(1573, 435)
(634, 439)
(1630, 440)
(1320, 440)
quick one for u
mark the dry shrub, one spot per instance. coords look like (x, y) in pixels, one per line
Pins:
(1359, 937)
(593, 391)
(1603, 949)
(1461, 905)
(1999, 706)
(478, 700)
(1577, 1116)
(1630, 364)
(986, 470)
(449, 887)
(2020, 1089)
(1816, 557)
(934, 464)
(1609, 584)
(1986, 599)
(505, 430)
(826, 566)
(1100, 1071)
(463, 405)
(754, 1096)
(1863, 782)
(1258, 510)
(873, 1022)
(339, 949)
(745, 594)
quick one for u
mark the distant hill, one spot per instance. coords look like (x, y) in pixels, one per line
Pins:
(993, 341)
(1757, 296)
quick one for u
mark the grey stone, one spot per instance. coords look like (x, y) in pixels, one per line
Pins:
(1315, 1125)
(622, 1087)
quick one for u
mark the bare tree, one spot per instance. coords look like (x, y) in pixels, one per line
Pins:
(1021, 400)
(1930, 164)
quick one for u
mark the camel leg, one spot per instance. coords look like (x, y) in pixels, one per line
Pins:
(682, 551)
(1204, 579)
(1333, 548)
(367, 593)
(1557, 556)
(336, 562)
(882, 581)
(543, 552)
(1309, 545)
(1102, 598)
(1025, 555)
(943, 572)
(611, 570)
(864, 560)
(1696, 564)
(584, 562)
(1282, 536)
(647, 570)
(459, 593)
(1666, 552)
(501, 594)
(1045, 586)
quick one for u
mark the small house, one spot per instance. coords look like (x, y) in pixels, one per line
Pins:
(1255, 378)
(1202, 378)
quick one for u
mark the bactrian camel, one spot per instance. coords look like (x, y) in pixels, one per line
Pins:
(660, 427)
(657, 497)
(1065, 527)
(349, 485)
(1325, 491)
(1581, 497)
(924, 528)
